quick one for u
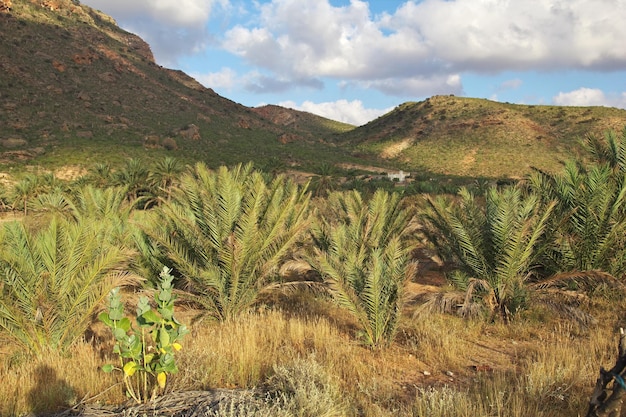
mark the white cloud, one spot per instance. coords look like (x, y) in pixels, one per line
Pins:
(183, 13)
(418, 49)
(513, 84)
(224, 79)
(351, 112)
(590, 97)
(423, 42)
(172, 28)
(418, 86)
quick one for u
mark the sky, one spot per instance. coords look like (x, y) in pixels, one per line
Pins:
(353, 60)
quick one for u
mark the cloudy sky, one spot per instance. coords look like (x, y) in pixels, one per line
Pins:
(354, 60)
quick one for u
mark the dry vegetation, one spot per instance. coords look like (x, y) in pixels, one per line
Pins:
(439, 365)
(296, 352)
(302, 349)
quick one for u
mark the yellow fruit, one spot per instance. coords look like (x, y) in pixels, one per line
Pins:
(161, 379)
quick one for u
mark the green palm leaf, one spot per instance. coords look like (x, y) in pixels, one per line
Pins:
(362, 254)
(226, 231)
(54, 280)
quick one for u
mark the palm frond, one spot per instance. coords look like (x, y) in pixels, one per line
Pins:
(226, 231)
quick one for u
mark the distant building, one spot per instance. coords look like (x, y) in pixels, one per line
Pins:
(398, 176)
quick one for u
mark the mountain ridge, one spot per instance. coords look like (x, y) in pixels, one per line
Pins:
(462, 136)
(77, 89)
(74, 79)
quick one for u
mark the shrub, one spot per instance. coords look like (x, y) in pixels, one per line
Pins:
(148, 359)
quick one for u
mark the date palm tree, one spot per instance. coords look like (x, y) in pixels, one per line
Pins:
(134, 177)
(53, 281)
(225, 232)
(24, 191)
(590, 217)
(360, 251)
(609, 150)
(495, 245)
(164, 176)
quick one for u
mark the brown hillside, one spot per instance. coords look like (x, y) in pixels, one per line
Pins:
(77, 88)
(477, 137)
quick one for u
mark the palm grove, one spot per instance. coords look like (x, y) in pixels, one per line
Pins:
(225, 234)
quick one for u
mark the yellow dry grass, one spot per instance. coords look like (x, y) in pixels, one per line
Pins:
(438, 365)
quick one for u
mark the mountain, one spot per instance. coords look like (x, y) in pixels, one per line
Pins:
(477, 137)
(77, 89)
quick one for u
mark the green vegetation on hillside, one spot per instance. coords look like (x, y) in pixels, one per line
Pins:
(311, 301)
(477, 137)
(76, 90)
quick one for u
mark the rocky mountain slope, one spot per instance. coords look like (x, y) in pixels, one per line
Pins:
(76, 87)
(477, 137)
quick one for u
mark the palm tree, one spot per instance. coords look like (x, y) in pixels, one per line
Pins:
(53, 281)
(360, 251)
(100, 175)
(55, 202)
(610, 150)
(590, 218)
(495, 245)
(165, 174)
(226, 232)
(24, 191)
(134, 177)
(323, 182)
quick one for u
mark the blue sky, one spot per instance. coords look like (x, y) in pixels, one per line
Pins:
(353, 60)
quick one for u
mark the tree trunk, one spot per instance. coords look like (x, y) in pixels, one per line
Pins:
(607, 402)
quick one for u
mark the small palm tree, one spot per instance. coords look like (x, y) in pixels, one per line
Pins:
(609, 150)
(134, 177)
(226, 232)
(590, 217)
(360, 252)
(100, 175)
(165, 175)
(53, 281)
(24, 191)
(495, 245)
(54, 202)
(323, 182)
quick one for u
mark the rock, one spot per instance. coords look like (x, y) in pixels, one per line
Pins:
(190, 131)
(426, 373)
(107, 76)
(59, 66)
(288, 138)
(84, 134)
(5, 6)
(83, 96)
(13, 142)
(85, 58)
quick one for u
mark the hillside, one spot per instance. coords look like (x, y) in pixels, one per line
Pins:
(476, 137)
(75, 88)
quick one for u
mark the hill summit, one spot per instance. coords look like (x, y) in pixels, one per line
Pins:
(478, 137)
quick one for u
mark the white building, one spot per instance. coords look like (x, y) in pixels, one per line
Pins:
(399, 176)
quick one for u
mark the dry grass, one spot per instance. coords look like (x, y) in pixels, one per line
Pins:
(305, 352)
